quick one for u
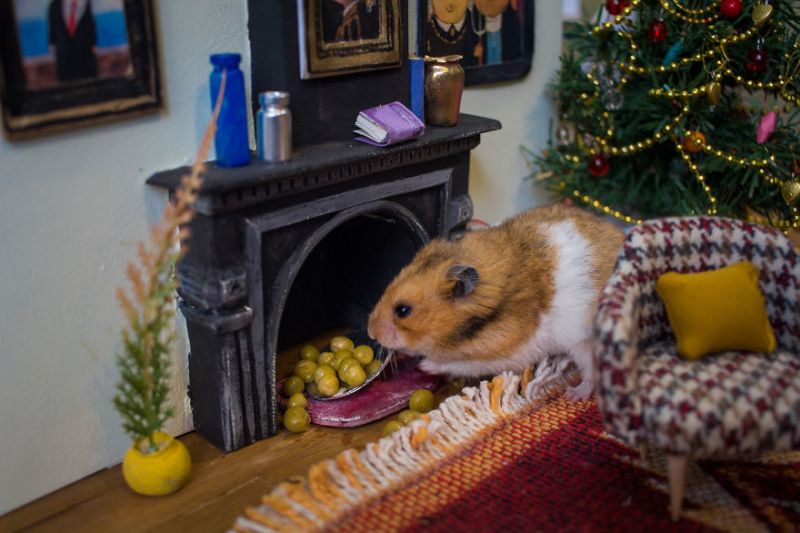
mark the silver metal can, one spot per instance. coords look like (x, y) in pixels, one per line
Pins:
(274, 125)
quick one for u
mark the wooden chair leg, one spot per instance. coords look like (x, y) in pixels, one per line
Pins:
(676, 474)
(643, 450)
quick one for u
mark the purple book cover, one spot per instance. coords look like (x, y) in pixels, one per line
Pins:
(398, 121)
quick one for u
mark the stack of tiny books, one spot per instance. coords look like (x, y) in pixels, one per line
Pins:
(388, 124)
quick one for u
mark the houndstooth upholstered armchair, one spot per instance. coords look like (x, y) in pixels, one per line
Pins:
(727, 405)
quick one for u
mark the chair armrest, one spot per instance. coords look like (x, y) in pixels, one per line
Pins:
(617, 334)
(780, 282)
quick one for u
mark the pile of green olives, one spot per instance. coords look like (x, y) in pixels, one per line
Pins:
(421, 401)
(344, 366)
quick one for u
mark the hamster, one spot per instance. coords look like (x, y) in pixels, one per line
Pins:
(503, 298)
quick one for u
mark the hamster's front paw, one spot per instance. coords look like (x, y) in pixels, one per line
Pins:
(430, 367)
(579, 393)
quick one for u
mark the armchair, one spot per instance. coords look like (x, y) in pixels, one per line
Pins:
(727, 405)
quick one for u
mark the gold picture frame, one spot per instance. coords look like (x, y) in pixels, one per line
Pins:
(345, 36)
(55, 78)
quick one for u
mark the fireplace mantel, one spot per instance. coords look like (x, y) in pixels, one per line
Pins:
(275, 257)
(319, 165)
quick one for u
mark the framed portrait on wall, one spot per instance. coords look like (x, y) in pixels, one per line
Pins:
(70, 63)
(345, 36)
(494, 37)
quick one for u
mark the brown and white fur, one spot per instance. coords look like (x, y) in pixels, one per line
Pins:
(503, 298)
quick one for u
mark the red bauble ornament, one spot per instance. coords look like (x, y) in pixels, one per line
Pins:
(615, 7)
(658, 31)
(756, 60)
(730, 9)
(599, 165)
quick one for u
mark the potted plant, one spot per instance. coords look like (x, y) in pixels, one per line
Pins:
(156, 464)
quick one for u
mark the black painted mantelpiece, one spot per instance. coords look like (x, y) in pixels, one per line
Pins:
(282, 253)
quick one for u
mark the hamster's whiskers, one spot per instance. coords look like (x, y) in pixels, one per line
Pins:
(392, 362)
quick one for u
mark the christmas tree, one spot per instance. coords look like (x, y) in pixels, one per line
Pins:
(678, 107)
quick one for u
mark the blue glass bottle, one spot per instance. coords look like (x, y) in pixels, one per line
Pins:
(230, 141)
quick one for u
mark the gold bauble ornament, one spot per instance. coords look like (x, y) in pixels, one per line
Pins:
(791, 191)
(694, 142)
(714, 92)
(761, 13)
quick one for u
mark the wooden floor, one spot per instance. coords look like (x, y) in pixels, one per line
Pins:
(219, 488)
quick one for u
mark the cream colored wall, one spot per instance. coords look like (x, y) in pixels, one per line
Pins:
(73, 205)
(497, 167)
(71, 208)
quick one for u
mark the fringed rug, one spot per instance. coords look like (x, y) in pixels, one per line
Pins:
(512, 455)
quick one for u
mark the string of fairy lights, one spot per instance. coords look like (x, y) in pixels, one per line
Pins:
(701, 179)
(682, 62)
(731, 158)
(690, 16)
(617, 19)
(753, 84)
(703, 89)
(608, 210)
(672, 93)
(643, 144)
(779, 223)
(718, 57)
(712, 7)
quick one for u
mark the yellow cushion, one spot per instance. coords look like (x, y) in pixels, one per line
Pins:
(717, 310)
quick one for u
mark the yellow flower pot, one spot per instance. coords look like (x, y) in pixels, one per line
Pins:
(157, 473)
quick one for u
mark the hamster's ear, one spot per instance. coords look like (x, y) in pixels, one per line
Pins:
(464, 278)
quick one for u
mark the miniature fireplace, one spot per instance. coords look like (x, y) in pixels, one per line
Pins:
(281, 253)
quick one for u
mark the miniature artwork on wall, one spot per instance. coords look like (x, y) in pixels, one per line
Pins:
(68, 63)
(495, 37)
(344, 36)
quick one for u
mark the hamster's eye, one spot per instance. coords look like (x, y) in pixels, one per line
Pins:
(402, 310)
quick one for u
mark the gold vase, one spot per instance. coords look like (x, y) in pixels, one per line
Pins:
(444, 84)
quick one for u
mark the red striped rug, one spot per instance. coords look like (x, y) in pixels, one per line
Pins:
(497, 459)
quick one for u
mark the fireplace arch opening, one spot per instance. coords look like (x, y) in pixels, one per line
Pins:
(338, 275)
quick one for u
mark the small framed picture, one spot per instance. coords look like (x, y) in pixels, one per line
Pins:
(70, 63)
(344, 36)
(494, 37)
